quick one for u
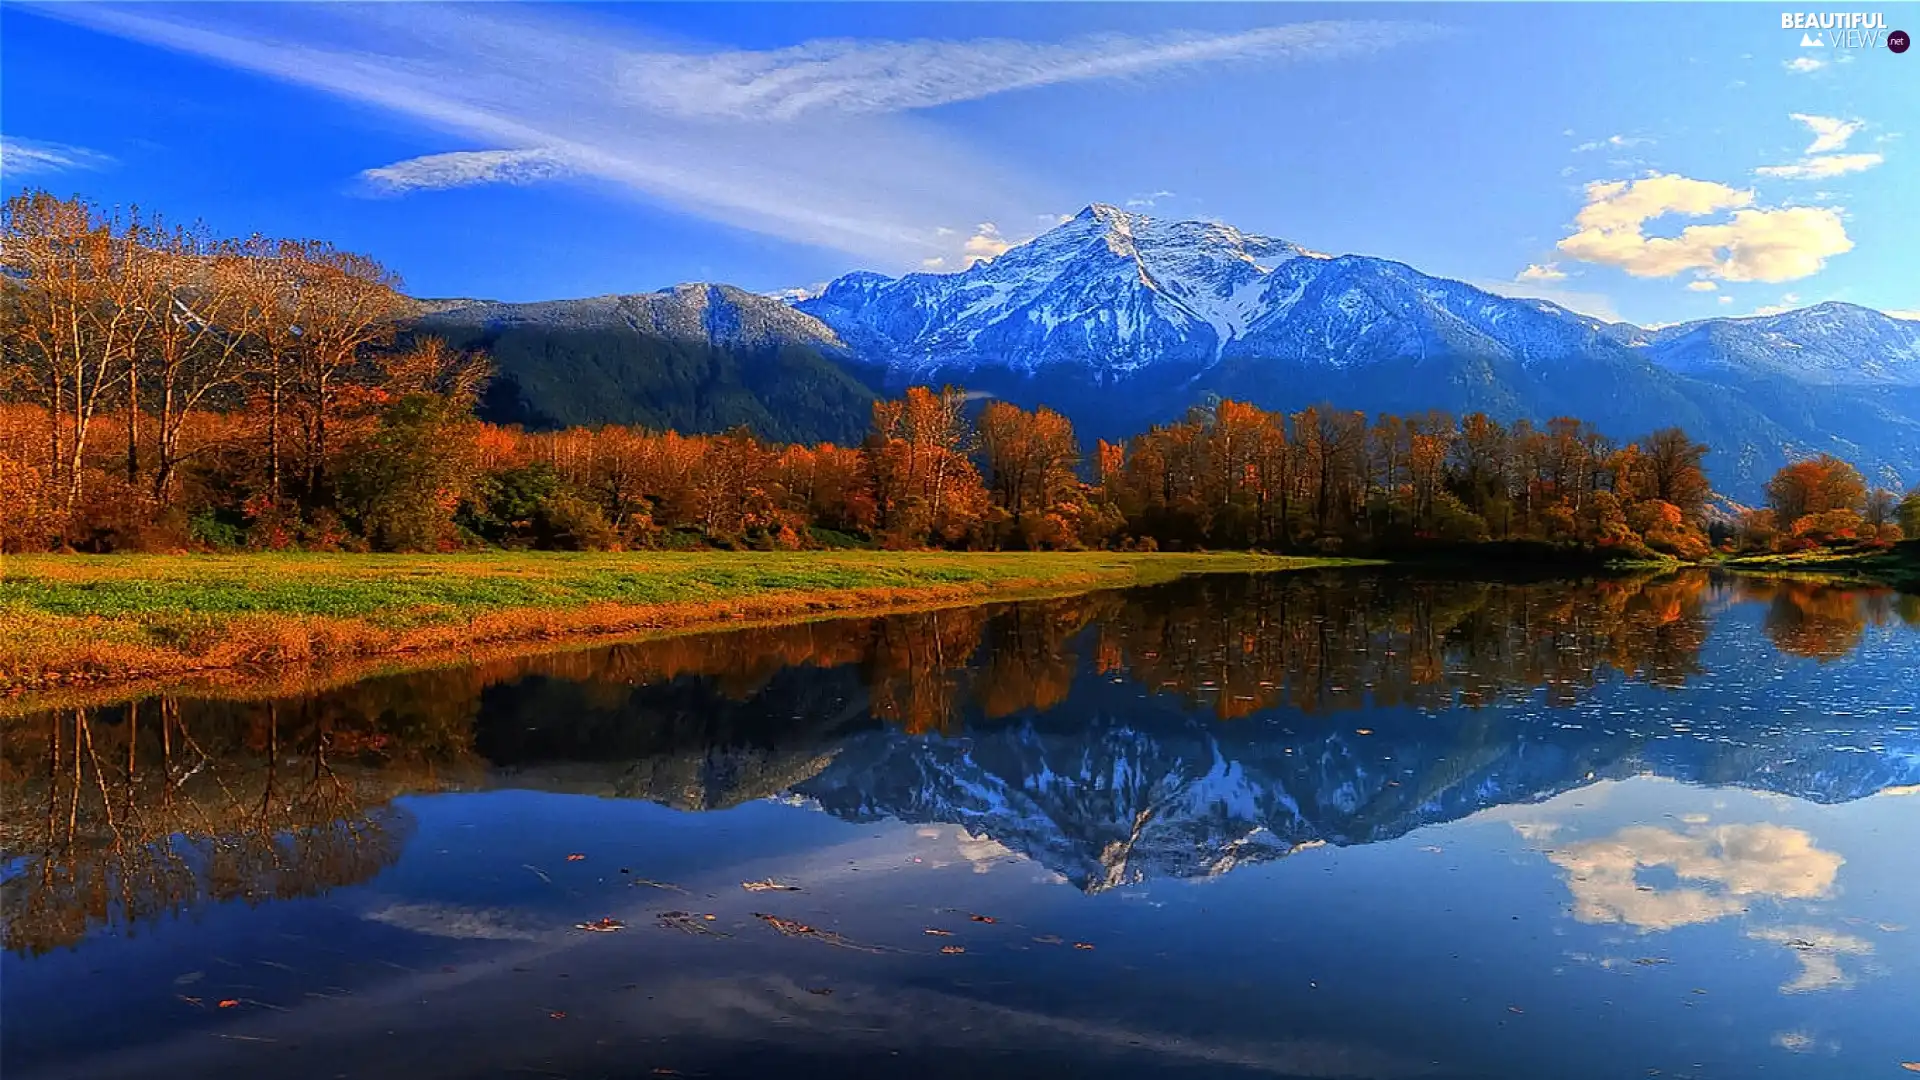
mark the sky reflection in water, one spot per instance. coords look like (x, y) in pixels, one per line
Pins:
(1316, 825)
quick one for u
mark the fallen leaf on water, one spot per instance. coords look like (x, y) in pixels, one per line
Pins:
(953, 950)
(692, 924)
(1433, 849)
(1911, 1066)
(558, 1015)
(1083, 944)
(193, 1001)
(800, 929)
(939, 933)
(768, 885)
(575, 857)
(981, 918)
(1515, 1010)
(823, 991)
(605, 925)
(1050, 939)
(785, 926)
(1649, 961)
(1363, 731)
(228, 1003)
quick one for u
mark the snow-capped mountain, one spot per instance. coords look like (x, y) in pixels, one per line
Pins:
(1109, 290)
(1830, 344)
(1121, 321)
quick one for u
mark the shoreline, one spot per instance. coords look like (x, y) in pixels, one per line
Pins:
(84, 627)
(1898, 568)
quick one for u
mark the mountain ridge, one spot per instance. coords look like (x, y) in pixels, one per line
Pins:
(1121, 320)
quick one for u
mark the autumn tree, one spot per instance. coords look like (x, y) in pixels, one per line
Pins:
(344, 304)
(72, 317)
(1672, 470)
(1030, 459)
(925, 485)
(1817, 485)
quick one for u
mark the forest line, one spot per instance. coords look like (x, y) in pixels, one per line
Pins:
(165, 389)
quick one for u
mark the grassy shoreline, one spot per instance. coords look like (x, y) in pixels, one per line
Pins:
(91, 621)
(1898, 568)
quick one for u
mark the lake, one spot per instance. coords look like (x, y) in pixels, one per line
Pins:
(1324, 824)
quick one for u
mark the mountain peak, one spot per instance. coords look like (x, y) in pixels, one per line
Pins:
(1100, 211)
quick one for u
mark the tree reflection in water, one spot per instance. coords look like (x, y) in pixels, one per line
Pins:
(115, 815)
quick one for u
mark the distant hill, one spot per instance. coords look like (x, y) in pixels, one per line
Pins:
(702, 358)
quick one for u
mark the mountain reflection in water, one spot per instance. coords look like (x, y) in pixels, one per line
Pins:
(1174, 731)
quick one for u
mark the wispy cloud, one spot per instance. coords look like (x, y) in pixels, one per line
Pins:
(1829, 133)
(1612, 142)
(851, 76)
(1822, 167)
(467, 168)
(1821, 161)
(820, 143)
(31, 157)
(1149, 200)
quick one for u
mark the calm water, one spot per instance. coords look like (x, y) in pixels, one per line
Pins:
(1320, 825)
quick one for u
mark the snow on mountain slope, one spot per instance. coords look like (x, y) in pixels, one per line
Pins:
(1831, 344)
(1117, 293)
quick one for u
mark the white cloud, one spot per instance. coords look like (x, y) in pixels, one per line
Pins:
(1149, 200)
(1819, 952)
(1913, 314)
(1822, 167)
(1726, 299)
(1756, 244)
(1803, 64)
(1702, 285)
(1788, 302)
(817, 143)
(1719, 870)
(1586, 303)
(466, 168)
(1829, 133)
(985, 243)
(31, 157)
(1541, 272)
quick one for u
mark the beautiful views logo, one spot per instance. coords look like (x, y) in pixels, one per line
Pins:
(1844, 30)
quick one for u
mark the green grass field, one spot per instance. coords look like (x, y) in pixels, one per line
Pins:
(93, 618)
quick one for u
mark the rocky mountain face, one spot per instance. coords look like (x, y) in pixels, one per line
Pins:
(1121, 321)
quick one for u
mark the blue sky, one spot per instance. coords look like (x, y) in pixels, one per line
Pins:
(1651, 162)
